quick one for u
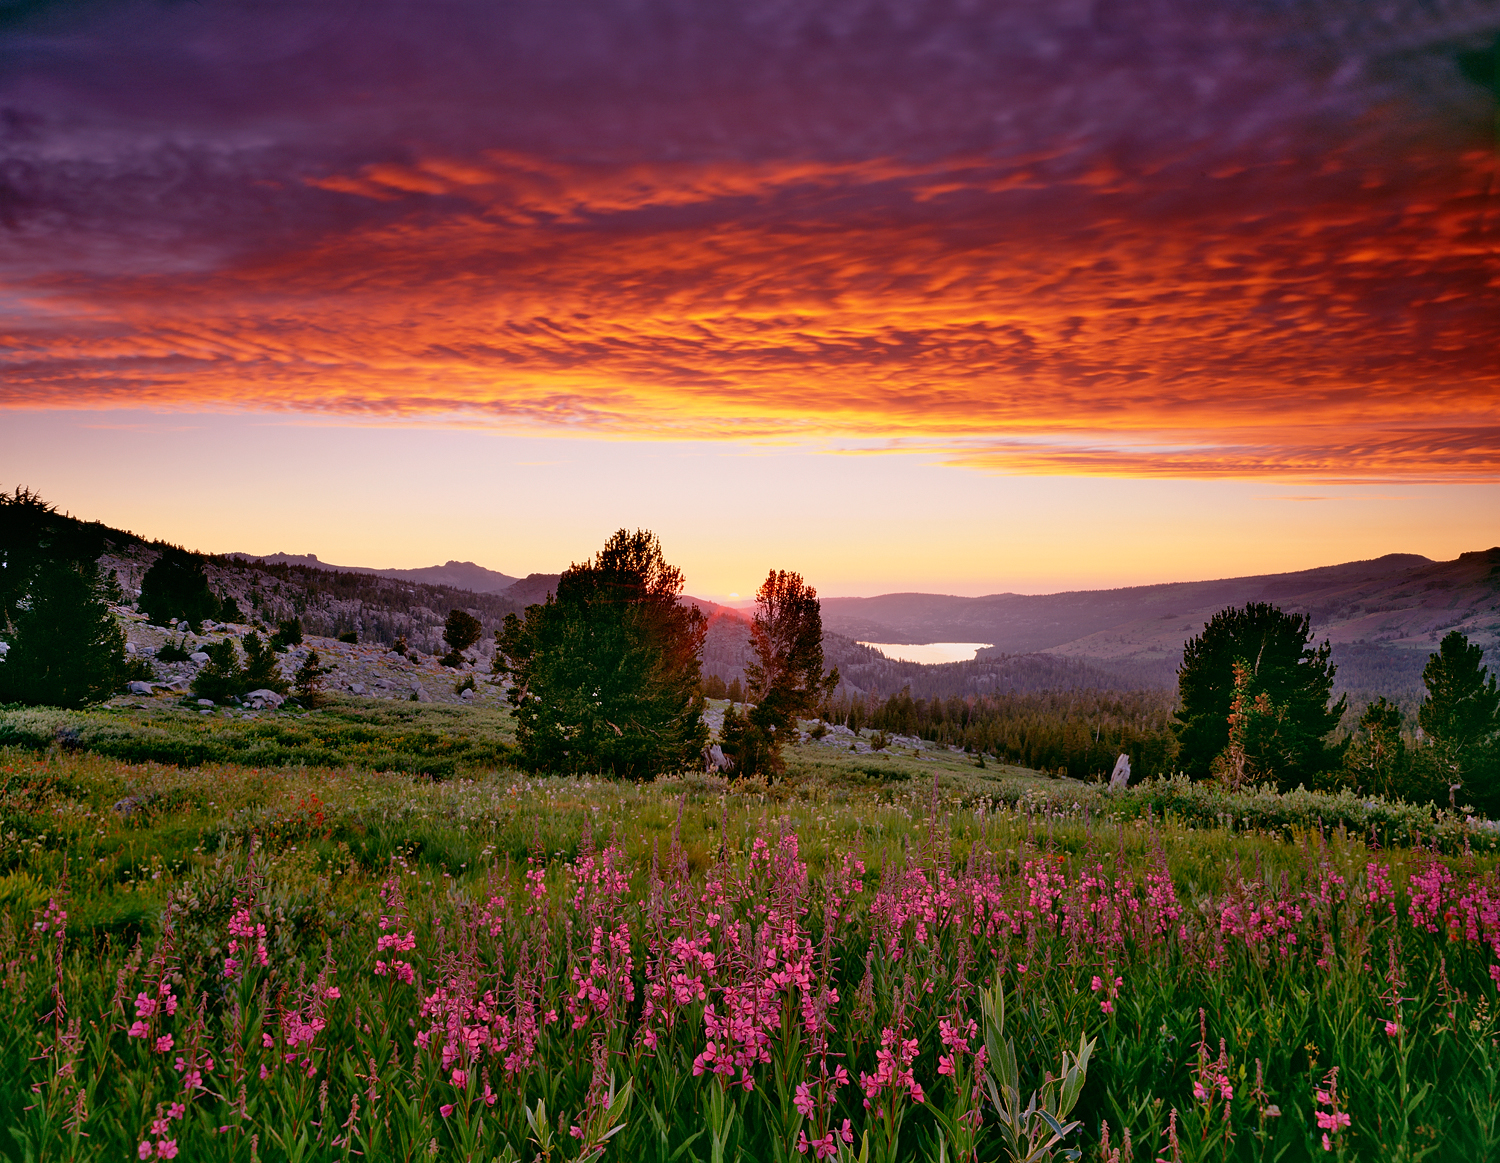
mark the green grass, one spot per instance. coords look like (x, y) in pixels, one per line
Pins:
(438, 740)
(159, 853)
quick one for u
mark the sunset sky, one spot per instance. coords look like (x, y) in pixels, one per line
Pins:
(951, 295)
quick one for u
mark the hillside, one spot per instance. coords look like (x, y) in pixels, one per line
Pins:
(329, 602)
(1383, 616)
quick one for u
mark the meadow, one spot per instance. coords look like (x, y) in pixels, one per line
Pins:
(358, 933)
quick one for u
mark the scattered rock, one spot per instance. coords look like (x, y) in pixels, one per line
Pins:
(205, 702)
(141, 688)
(467, 693)
(130, 648)
(264, 698)
(357, 688)
(198, 656)
(421, 695)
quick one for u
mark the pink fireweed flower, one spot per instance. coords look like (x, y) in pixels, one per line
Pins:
(446, 1109)
(166, 1149)
(1333, 1120)
(164, 1043)
(138, 1030)
(143, 1151)
(1392, 1029)
(176, 1111)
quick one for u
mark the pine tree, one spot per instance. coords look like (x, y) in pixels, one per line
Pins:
(460, 632)
(176, 586)
(309, 681)
(1377, 761)
(1460, 717)
(786, 680)
(67, 649)
(261, 669)
(1286, 740)
(222, 676)
(606, 673)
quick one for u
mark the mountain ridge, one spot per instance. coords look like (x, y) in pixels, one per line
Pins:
(464, 575)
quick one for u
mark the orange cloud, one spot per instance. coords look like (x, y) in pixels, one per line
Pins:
(1059, 314)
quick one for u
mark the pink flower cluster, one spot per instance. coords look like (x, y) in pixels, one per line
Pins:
(247, 941)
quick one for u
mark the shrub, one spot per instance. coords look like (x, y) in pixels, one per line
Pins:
(174, 651)
(349, 636)
(288, 633)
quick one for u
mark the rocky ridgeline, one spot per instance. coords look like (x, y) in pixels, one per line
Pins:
(363, 670)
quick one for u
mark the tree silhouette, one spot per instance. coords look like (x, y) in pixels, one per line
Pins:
(460, 632)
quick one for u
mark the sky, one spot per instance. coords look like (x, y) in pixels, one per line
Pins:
(951, 295)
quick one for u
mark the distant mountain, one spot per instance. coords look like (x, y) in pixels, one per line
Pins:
(1383, 616)
(460, 575)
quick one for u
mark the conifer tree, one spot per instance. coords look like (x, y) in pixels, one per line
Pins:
(606, 672)
(176, 586)
(1460, 716)
(261, 669)
(1284, 738)
(222, 676)
(786, 680)
(309, 681)
(67, 649)
(460, 632)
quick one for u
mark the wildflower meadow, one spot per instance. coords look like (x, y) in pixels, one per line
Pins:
(312, 964)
